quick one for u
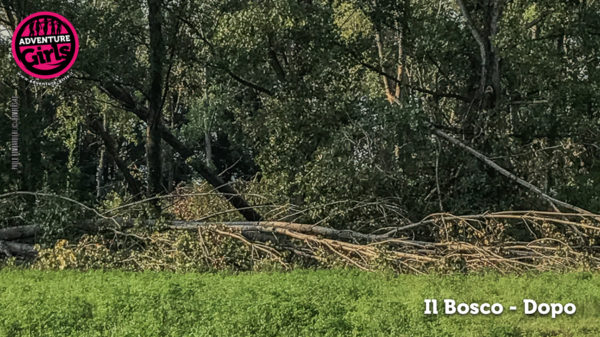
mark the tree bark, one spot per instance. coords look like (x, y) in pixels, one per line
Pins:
(401, 76)
(169, 165)
(153, 139)
(489, 89)
(389, 93)
(207, 123)
(208, 148)
(258, 225)
(101, 169)
(14, 248)
(19, 232)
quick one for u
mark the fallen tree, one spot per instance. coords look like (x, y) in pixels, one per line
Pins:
(469, 242)
(18, 232)
(504, 241)
(10, 249)
(456, 244)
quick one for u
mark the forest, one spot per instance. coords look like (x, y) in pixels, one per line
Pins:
(410, 135)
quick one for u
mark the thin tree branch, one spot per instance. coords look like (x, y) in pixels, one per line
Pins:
(505, 172)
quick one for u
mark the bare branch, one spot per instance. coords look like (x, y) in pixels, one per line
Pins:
(505, 172)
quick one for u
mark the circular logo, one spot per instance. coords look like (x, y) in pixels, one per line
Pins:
(45, 45)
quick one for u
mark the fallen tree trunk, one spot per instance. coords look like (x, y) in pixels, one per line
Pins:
(296, 227)
(19, 232)
(340, 234)
(350, 235)
(9, 249)
(367, 251)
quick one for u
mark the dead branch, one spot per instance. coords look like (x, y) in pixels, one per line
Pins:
(506, 173)
(301, 228)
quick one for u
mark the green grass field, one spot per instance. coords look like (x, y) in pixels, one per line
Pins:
(299, 303)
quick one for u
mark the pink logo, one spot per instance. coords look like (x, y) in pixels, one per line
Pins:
(45, 45)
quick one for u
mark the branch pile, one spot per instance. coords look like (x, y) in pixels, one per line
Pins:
(547, 241)
(471, 242)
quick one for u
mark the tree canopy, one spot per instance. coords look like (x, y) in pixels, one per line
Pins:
(335, 107)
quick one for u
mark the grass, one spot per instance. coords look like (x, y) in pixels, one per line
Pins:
(299, 303)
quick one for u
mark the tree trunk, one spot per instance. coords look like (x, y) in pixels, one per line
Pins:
(401, 76)
(488, 91)
(186, 153)
(208, 148)
(15, 248)
(389, 93)
(153, 139)
(207, 123)
(101, 170)
(111, 148)
(169, 165)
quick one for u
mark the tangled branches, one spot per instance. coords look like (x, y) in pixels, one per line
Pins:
(503, 241)
(558, 241)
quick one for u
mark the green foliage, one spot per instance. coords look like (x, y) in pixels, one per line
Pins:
(289, 96)
(172, 251)
(55, 217)
(301, 303)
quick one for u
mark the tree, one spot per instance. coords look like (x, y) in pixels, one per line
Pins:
(155, 100)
